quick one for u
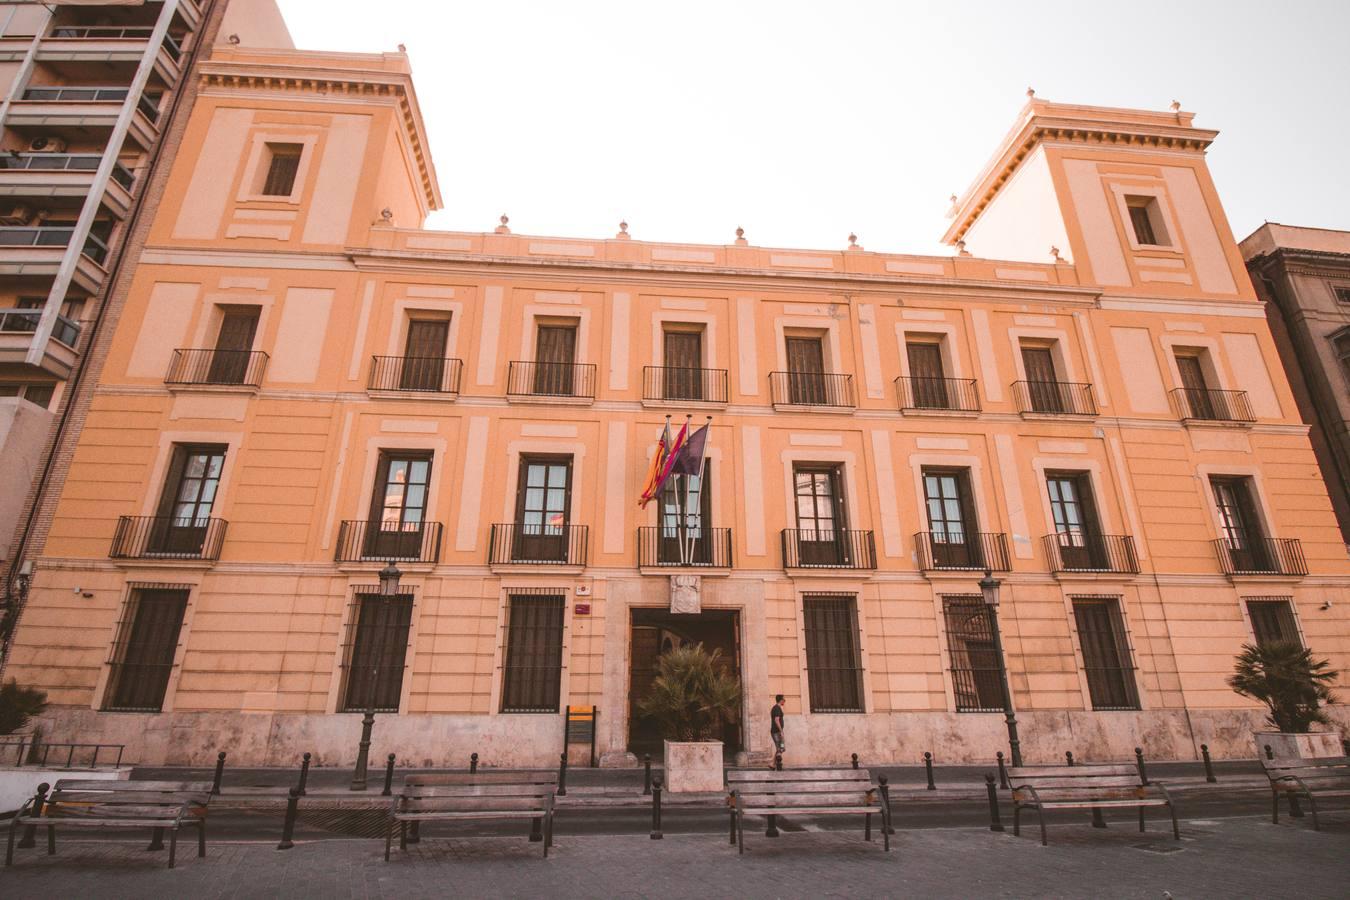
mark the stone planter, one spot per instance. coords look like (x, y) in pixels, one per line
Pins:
(694, 766)
(1313, 745)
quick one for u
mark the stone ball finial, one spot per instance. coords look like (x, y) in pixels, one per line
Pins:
(961, 249)
(1054, 253)
(740, 232)
(623, 226)
(387, 214)
(740, 237)
(1031, 92)
(1176, 106)
(502, 228)
(953, 198)
(852, 239)
(623, 231)
(402, 48)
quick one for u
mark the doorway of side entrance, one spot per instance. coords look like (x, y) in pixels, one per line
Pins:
(658, 631)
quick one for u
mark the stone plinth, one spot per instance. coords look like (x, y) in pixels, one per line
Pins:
(694, 766)
(1313, 745)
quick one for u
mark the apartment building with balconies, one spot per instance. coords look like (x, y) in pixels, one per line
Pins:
(1083, 400)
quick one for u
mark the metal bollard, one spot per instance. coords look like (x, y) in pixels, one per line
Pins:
(646, 774)
(473, 763)
(304, 774)
(1209, 764)
(562, 775)
(363, 752)
(1270, 754)
(928, 769)
(288, 827)
(220, 773)
(29, 838)
(388, 777)
(855, 760)
(656, 809)
(995, 822)
(1068, 757)
(883, 783)
(1002, 772)
(1139, 763)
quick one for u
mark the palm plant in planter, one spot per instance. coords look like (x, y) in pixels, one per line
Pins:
(691, 700)
(1293, 686)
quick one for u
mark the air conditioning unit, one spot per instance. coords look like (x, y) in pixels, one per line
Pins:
(15, 215)
(47, 144)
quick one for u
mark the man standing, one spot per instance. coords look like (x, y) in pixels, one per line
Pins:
(776, 723)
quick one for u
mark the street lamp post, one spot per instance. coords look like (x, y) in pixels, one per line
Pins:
(989, 593)
(389, 577)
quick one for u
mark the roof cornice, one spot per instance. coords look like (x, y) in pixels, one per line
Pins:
(1043, 122)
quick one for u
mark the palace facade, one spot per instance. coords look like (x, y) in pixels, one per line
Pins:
(304, 384)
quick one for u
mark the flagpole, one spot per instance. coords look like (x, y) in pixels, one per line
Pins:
(687, 556)
(682, 528)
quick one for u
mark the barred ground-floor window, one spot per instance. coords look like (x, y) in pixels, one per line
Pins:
(1106, 653)
(977, 681)
(376, 652)
(532, 662)
(144, 649)
(1272, 620)
(833, 659)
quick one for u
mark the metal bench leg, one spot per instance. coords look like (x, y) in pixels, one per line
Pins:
(1274, 806)
(867, 827)
(536, 830)
(403, 835)
(1017, 820)
(9, 849)
(388, 838)
(156, 839)
(1141, 819)
(731, 832)
(886, 829)
(51, 840)
(1040, 813)
(201, 838)
(1176, 829)
(1312, 802)
(173, 846)
(548, 833)
(740, 832)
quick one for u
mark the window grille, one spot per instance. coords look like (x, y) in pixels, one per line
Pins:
(1106, 654)
(282, 169)
(1272, 620)
(532, 667)
(376, 651)
(977, 680)
(143, 651)
(833, 660)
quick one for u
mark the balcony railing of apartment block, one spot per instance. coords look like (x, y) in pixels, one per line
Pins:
(166, 537)
(25, 321)
(65, 162)
(217, 367)
(517, 543)
(420, 374)
(1261, 556)
(812, 389)
(674, 383)
(1204, 405)
(112, 33)
(51, 236)
(702, 547)
(92, 94)
(1055, 398)
(962, 551)
(1079, 552)
(360, 540)
(954, 394)
(548, 379)
(807, 548)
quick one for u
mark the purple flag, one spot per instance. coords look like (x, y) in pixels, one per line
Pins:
(690, 459)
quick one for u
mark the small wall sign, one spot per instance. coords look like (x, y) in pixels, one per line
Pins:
(582, 609)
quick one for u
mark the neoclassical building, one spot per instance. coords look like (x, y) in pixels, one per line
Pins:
(1084, 399)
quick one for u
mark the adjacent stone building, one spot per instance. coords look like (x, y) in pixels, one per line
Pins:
(304, 384)
(1303, 274)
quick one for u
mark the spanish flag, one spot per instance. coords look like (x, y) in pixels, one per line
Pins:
(653, 482)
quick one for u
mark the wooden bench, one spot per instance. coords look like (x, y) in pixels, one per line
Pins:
(1327, 776)
(482, 795)
(159, 805)
(1094, 787)
(808, 792)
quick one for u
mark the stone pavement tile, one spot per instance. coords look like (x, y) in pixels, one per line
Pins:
(1237, 857)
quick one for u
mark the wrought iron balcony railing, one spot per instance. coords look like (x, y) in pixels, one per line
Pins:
(65, 162)
(360, 540)
(962, 550)
(1204, 405)
(420, 374)
(217, 367)
(51, 236)
(167, 537)
(1261, 556)
(21, 321)
(676, 547)
(955, 394)
(674, 383)
(812, 389)
(808, 548)
(517, 543)
(546, 379)
(1081, 552)
(1056, 398)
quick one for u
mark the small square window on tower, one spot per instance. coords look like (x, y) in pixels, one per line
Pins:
(1147, 220)
(283, 163)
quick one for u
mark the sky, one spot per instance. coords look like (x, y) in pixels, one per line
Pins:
(803, 122)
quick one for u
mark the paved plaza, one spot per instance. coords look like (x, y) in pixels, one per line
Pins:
(1227, 857)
